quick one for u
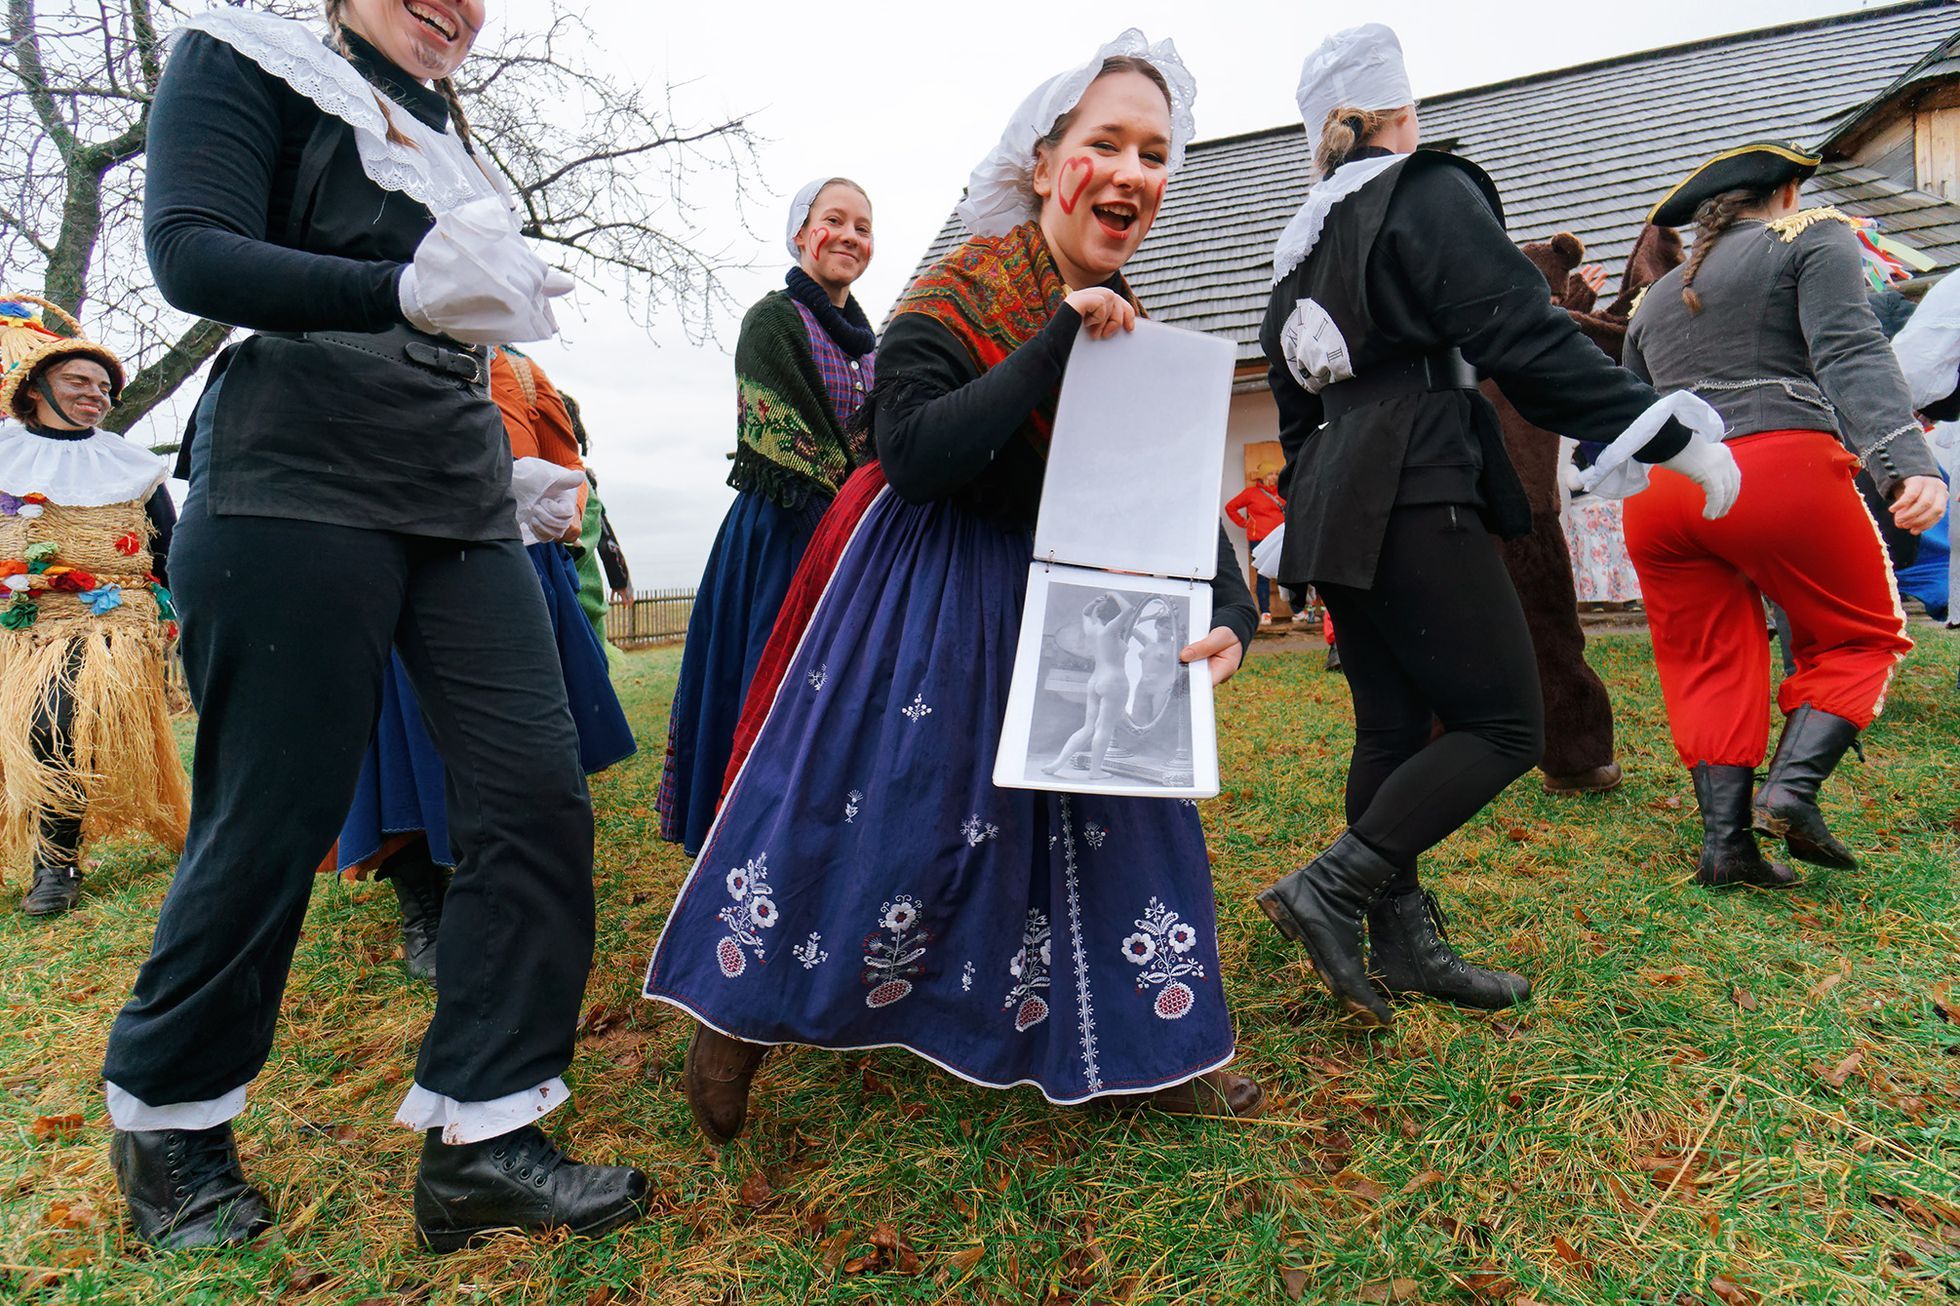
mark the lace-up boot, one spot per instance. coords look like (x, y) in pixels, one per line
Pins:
(1323, 907)
(518, 1181)
(1410, 955)
(185, 1188)
(420, 886)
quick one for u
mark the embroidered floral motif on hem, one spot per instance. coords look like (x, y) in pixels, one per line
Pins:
(1095, 834)
(977, 831)
(752, 911)
(1159, 949)
(1030, 971)
(918, 711)
(819, 678)
(851, 809)
(810, 952)
(966, 978)
(891, 964)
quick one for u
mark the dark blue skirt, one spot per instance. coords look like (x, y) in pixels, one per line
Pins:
(866, 885)
(749, 571)
(401, 789)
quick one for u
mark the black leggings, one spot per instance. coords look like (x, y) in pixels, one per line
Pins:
(1440, 636)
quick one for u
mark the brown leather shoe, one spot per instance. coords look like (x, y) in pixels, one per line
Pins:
(1599, 780)
(1214, 1093)
(717, 1077)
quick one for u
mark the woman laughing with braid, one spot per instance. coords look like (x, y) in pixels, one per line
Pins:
(350, 490)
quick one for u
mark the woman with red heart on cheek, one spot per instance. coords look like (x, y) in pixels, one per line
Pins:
(804, 365)
(866, 884)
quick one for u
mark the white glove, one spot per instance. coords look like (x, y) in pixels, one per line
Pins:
(476, 280)
(547, 498)
(1709, 464)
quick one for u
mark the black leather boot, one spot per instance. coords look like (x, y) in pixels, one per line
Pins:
(1322, 906)
(717, 1077)
(1410, 954)
(57, 885)
(1729, 856)
(517, 1181)
(1786, 805)
(419, 887)
(185, 1188)
(1334, 659)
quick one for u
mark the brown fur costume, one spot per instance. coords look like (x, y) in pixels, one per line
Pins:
(1578, 714)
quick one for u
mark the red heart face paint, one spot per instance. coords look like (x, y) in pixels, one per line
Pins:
(1069, 193)
(815, 241)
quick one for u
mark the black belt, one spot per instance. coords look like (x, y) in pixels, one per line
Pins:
(469, 364)
(1424, 373)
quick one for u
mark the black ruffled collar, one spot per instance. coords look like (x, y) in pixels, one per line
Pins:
(49, 433)
(848, 328)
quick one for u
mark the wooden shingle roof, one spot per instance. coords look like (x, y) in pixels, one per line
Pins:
(1586, 150)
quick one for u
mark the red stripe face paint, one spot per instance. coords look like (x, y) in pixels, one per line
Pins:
(1066, 197)
(1161, 183)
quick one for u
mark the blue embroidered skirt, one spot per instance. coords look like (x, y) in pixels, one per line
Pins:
(401, 788)
(749, 571)
(866, 885)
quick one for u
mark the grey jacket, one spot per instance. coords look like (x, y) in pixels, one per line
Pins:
(1786, 340)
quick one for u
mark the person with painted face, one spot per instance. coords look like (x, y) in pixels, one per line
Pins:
(1394, 287)
(866, 885)
(804, 364)
(85, 525)
(350, 491)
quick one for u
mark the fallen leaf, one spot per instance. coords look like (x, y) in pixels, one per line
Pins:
(833, 1251)
(1943, 1004)
(1388, 1290)
(601, 1017)
(815, 1223)
(600, 1296)
(1733, 1293)
(961, 1262)
(1804, 918)
(1294, 1280)
(1743, 998)
(1825, 985)
(755, 1190)
(1665, 978)
(859, 1264)
(1361, 1186)
(1837, 1074)
(71, 1215)
(1427, 1179)
(1572, 1256)
(1488, 1283)
(56, 1126)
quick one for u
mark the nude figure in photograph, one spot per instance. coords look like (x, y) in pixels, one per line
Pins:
(1107, 621)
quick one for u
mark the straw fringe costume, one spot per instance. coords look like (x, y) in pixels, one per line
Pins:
(86, 750)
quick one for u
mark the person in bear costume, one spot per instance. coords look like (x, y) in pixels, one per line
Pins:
(1578, 714)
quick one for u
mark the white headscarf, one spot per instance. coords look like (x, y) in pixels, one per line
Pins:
(1359, 68)
(997, 193)
(799, 213)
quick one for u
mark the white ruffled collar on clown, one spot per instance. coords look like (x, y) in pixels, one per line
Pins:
(1303, 233)
(433, 169)
(89, 473)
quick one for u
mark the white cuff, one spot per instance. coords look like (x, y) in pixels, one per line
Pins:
(1615, 474)
(133, 1115)
(411, 302)
(472, 1122)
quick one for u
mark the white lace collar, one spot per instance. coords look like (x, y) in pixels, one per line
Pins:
(103, 469)
(434, 170)
(1303, 233)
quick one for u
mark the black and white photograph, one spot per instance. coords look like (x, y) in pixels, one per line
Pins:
(1100, 702)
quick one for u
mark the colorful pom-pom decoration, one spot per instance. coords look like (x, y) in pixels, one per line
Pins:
(20, 614)
(128, 544)
(103, 600)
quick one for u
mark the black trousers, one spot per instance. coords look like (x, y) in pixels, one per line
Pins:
(286, 628)
(1439, 637)
(53, 738)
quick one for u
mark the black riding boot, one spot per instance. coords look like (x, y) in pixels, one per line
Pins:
(1322, 906)
(1786, 805)
(517, 1181)
(419, 887)
(1410, 954)
(57, 883)
(185, 1188)
(1334, 659)
(1729, 855)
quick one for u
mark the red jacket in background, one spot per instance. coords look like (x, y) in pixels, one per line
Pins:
(1258, 509)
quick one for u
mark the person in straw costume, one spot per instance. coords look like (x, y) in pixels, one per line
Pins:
(85, 744)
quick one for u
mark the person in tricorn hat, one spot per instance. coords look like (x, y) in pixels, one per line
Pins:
(1393, 287)
(1768, 320)
(85, 742)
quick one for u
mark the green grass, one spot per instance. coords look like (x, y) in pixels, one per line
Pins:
(1710, 1099)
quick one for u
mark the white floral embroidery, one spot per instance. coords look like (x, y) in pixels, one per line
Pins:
(819, 678)
(851, 802)
(1030, 971)
(966, 978)
(918, 711)
(1094, 833)
(1085, 1015)
(1191, 803)
(891, 964)
(977, 831)
(753, 911)
(1157, 949)
(811, 952)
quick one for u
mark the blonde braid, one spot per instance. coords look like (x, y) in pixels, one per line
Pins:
(1716, 215)
(1343, 131)
(337, 27)
(457, 118)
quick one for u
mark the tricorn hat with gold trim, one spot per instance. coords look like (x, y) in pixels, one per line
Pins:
(30, 341)
(1764, 165)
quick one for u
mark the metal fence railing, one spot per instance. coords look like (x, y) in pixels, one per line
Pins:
(650, 617)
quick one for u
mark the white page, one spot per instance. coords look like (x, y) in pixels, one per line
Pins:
(1099, 703)
(1134, 468)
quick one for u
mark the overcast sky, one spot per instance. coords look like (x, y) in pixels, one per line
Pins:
(905, 98)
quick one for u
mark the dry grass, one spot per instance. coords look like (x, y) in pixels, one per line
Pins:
(1711, 1099)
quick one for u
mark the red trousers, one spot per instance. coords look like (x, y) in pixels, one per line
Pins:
(1798, 533)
